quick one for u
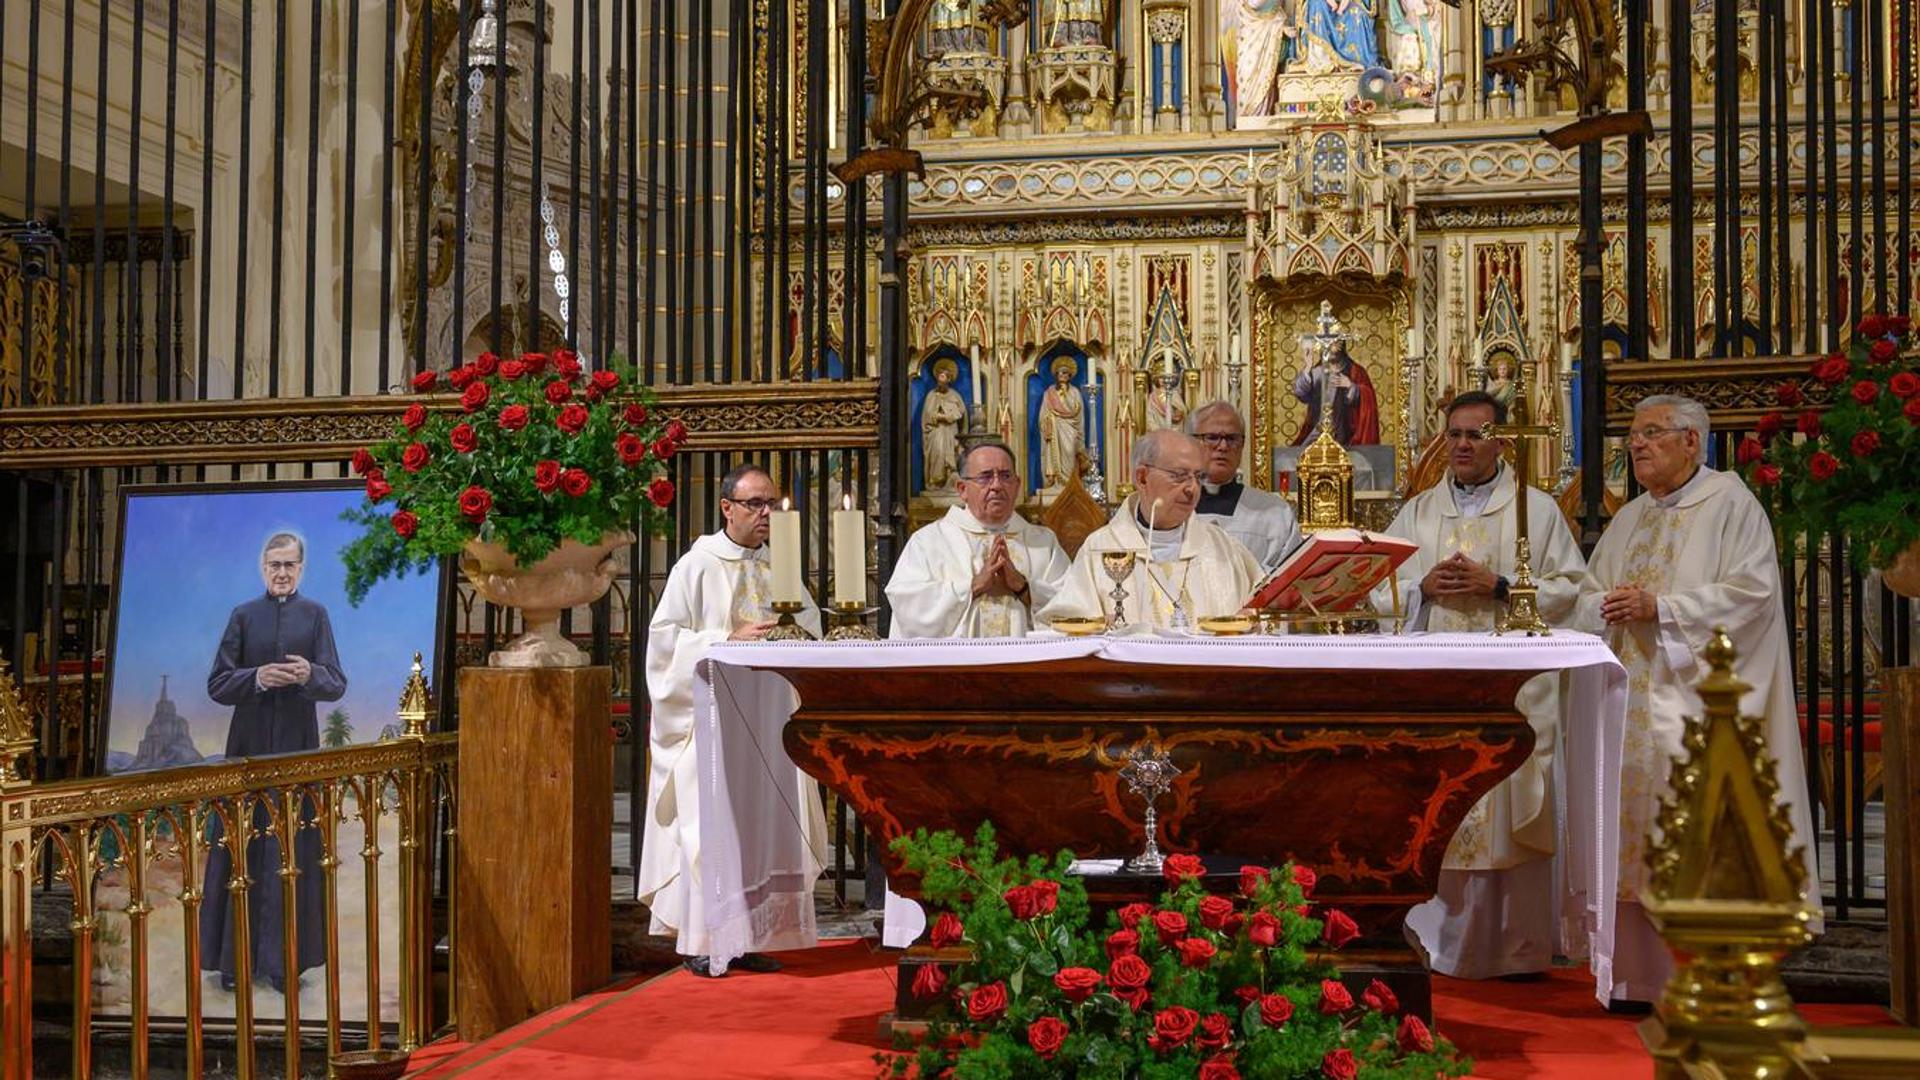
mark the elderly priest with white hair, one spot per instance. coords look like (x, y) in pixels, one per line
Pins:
(1694, 552)
(982, 570)
(1263, 522)
(1175, 567)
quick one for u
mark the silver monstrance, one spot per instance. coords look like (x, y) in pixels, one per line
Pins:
(1149, 773)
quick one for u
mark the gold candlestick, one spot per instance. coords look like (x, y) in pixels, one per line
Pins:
(786, 629)
(847, 621)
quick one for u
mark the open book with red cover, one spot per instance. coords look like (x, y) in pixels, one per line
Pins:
(1332, 570)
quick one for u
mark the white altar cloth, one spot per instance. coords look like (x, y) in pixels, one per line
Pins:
(754, 858)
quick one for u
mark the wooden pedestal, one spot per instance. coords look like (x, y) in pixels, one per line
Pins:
(1901, 744)
(533, 892)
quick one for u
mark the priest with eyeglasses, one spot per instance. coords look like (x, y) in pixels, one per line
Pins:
(1263, 522)
(1157, 564)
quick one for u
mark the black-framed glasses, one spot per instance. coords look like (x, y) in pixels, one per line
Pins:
(1218, 438)
(990, 477)
(758, 506)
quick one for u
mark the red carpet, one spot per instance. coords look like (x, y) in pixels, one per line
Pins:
(817, 1019)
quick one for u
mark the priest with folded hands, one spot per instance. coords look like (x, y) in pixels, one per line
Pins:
(1175, 568)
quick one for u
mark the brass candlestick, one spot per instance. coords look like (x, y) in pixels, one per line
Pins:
(786, 629)
(847, 621)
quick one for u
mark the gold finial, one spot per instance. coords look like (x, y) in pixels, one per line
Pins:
(17, 742)
(413, 703)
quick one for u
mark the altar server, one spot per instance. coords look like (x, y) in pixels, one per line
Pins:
(1493, 912)
(982, 570)
(720, 590)
(1263, 522)
(1173, 569)
(1694, 552)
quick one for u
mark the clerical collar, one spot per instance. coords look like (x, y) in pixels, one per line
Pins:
(1219, 498)
(740, 551)
(1484, 485)
(973, 524)
(1672, 498)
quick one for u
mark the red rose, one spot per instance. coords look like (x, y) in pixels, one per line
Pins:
(606, 381)
(534, 362)
(1219, 1067)
(1823, 465)
(377, 486)
(1170, 925)
(546, 476)
(1128, 972)
(1215, 911)
(362, 462)
(1131, 915)
(1770, 425)
(1788, 394)
(1334, 998)
(1767, 475)
(635, 415)
(566, 363)
(1866, 443)
(475, 502)
(1022, 901)
(677, 431)
(1196, 952)
(930, 979)
(486, 364)
(1264, 929)
(1179, 868)
(463, 438)
(1045, 1036)
(1904, 384)
(1275, 1009)
(1831, 370)
(632, 451)
(404, 523)
(663, 448)
(660, 492)
(1912, 410)
(475, 397)
(1251, 878)
(576, 482)
(415, 457)
(415, 415)
(1413, 1037)
(425, 381)
(1247, 994)
(460, 377)
(1749, 451)
(1380, 997)
(1866, 391)
(1809, 424)
(573, 418)
(558, 392)
(1122, 943)
(1899, 325)
(1304, 877)
(1216, 1031)
(947, 930)
(512, 369)
(987, 1003)
(1882, 351)
(1339, 1065)
(1077, 983)
(1047, 892)
(1172, 1027)
(1873, 326)
(513, 417)
(1339, 929)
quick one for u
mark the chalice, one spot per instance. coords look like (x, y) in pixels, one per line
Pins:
(1119, 567)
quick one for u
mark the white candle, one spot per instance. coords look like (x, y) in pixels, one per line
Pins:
(1413, 340)
(977, 400)
(784, 540)
(849, 554)
(1233, 347)
(1093, 372)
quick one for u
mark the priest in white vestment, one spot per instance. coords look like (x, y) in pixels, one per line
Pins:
(1175, 568)
(720, 590)
(982, 570)
(1694, 552)
(1263, 522)
(1493, 913)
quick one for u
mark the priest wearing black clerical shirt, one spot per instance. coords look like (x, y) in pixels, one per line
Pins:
(1263, 522)
(275, 662)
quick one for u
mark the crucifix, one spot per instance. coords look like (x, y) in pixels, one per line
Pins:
(1523, 610)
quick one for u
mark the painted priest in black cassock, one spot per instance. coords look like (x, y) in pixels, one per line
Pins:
(276, 660)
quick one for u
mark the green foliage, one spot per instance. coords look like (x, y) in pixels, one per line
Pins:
(1025, 921)
(339, 730)
(517, 464)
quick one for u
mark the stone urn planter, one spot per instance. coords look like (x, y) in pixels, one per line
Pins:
(572, 575)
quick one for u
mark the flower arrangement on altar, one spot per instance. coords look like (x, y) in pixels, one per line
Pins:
(1857, 467)
(1199, 984)
(537, 452)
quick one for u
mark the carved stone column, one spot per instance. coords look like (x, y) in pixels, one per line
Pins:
(1166, 27)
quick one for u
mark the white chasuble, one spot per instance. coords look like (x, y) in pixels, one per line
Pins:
(715, 588)
(931, 590)
(1707, 554)
(1209, 574)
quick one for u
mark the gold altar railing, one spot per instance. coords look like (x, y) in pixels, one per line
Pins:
(132, 852)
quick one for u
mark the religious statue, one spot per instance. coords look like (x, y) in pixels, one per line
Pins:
(1410, 35)
(1336, 390)
(1341, 34)
(1501, 385)
(955, 28)
(1263, 40)
(1166, 405)
(1062, 426)
(1076, 22)
(940, 417)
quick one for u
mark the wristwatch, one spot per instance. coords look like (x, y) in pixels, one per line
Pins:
(1500, 587)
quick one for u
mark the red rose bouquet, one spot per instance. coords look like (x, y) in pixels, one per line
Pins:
(1855, 466)
(534, 451)
(1218, 985)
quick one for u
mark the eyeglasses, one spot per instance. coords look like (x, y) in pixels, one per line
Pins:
(282, 567)
(757, 506)
(1215, 438)
(990, 477)
(1182, 477)
(1649, 433)
(1469, 434)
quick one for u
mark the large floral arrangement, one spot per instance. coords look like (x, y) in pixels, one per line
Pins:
(1857, 468)
(1198, 984)
(538, 451)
